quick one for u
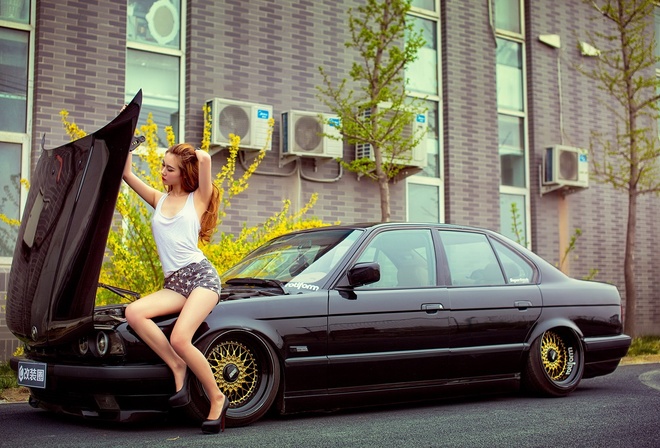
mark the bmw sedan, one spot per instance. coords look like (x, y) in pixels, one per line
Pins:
(319, 319)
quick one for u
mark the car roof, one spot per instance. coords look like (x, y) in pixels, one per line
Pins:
(401, 224)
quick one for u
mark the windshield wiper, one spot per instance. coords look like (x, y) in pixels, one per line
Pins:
(121, 292)
(252, 281)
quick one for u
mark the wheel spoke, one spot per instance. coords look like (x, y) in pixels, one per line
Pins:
(235, 369)
(554, 356)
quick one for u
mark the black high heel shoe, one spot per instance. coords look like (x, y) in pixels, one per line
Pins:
(217, 425)
(182, 397)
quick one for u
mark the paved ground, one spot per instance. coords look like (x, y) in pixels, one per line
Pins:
(19, 394)
(614, 411)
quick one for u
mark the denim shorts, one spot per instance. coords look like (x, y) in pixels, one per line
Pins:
(195, 275)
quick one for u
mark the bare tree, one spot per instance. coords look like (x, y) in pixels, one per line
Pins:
(625, 70)
(378, 113)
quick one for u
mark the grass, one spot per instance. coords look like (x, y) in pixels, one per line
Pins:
(7, 377)
(645, 345)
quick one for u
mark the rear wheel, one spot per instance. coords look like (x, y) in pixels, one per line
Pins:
(247, 372)
(555, 364)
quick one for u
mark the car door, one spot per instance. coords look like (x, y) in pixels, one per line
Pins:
(393, 331)
(494, 304)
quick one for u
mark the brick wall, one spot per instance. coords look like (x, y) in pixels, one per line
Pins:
(80, 66)
(559, 96)
(472, 167)
(269, 52)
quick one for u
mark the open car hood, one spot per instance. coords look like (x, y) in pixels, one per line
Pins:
(63, 233)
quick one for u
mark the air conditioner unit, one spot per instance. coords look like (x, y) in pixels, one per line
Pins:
(566, 166)
(249, 121)
(416, 156)
(307, 134)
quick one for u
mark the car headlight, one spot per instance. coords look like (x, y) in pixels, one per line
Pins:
(102, 343)
(116, 345)
(83, 345)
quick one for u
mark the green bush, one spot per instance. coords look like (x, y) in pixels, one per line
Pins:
(7, 377)
(645, 345)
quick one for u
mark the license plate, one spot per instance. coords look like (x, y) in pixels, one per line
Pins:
(32, 374)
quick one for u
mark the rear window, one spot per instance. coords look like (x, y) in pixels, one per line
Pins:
(473, 259)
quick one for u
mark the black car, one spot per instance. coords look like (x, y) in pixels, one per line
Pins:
(313, 320)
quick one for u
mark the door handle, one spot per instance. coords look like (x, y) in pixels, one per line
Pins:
(522, 304)
(432, 308)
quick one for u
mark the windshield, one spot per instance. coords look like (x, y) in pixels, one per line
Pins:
(301, 262)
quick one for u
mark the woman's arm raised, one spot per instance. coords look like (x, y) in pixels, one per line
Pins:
(205, 179)
(150, 195)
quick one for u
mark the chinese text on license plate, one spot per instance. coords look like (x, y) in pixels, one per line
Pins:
(32, 374)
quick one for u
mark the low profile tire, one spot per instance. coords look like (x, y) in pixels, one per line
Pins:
(555, 364)
(247, 371)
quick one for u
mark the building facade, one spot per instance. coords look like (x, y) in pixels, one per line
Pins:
(498, 79)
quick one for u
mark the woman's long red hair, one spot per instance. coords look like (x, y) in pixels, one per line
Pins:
(189, 167)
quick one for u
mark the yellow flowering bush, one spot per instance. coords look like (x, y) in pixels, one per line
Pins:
(10, 197)
(131, 259)
(9, 221)
(72, 129)
(230, 249)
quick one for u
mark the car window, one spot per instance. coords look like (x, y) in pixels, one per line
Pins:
(298, 260)
(406, 258)
(471, 260)
(516, 268)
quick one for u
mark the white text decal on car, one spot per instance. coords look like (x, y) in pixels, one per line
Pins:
(518, 280)
(300, 285)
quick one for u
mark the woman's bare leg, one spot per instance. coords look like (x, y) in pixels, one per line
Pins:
(139, 315)
(198, 306)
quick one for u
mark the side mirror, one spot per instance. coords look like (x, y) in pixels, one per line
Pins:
(363, 274)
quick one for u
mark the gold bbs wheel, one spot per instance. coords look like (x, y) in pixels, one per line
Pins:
(554, 356)
(247, 371)
(235, 369)
(555, 363)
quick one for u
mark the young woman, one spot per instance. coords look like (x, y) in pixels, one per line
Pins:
(186, 213)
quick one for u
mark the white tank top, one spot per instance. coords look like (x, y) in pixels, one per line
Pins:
(176, 237)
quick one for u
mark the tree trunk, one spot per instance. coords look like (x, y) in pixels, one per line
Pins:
(383, 181)
(629, 268)
(384, 187)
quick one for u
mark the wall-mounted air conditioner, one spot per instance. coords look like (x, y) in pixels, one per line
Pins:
(416, 156)
(566, 166)
(307, 134)
(249, 121)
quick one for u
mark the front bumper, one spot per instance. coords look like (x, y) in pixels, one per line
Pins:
(120, 393)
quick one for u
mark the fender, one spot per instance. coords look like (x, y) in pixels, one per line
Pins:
(555, 322)
(266, 335)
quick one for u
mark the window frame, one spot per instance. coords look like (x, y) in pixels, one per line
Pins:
(419, 178)
(23, 138)
(162, 50)
(436, 8)
(524, 114)
(427, 182)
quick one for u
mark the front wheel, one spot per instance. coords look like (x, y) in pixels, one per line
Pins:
(247, 371)
(555, 364)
